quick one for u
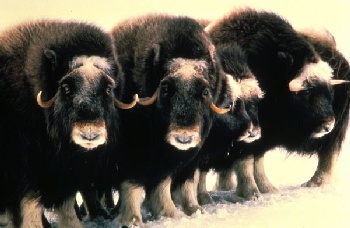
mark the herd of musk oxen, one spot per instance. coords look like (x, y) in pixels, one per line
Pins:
(152, 105)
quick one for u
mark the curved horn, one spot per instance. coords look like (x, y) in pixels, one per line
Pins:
(219, 110)
(150, 100)
(338, 81)
(122, 105)
(44, 104)
(296, 85)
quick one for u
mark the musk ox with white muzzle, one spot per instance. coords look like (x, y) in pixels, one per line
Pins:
(171, 60)
(229, 133)
(297, 110)
(59, 120)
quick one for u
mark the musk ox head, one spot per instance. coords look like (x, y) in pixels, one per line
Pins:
(313, 96)
(185, 93)
(310, 85)
(251, 94)
(242, 84)
(83, 106)
(242, 119)
(185, 97)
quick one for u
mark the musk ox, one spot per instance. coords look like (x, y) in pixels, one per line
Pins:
(229, 133)
(171, 60)
(58, 124)
(301, 110)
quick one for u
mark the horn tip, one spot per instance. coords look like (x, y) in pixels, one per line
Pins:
(136, 97)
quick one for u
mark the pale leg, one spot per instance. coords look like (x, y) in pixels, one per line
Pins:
(187, 195)
(226, 181)
(130, 196)
(160, 202)
(246, 186)
(324, 171)
(203, 195)
(261, 179)
(67, 216)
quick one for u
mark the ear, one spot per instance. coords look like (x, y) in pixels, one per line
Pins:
(51, 58)
(156, 54)
(285, 59)
(48, 80)
(150, 66)
(152, 56)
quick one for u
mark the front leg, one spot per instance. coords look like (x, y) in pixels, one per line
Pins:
(93, 204)
(203, 195)
(67, 217)
(130, 199)
(226, 181)
(160, 202)
(324, 171)
(261, 179)
(187, 195)
(6, 219)
(246, 186)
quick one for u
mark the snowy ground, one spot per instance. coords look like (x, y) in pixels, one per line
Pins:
(293, 206)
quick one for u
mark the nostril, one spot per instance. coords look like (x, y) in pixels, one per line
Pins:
(183, 138)
(327, 127)
(251, 133)
(90, 136)
(251, 130)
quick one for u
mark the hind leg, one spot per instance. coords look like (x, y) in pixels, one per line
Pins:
(246, 185)
(260, 177)
(324, 171)
(226, 180)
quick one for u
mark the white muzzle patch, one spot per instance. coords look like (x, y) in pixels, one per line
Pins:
(89, 135)
(323, 129)
(184, 139)
(251, 134)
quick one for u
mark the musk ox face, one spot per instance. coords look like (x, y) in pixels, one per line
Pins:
(87, 92)
(243, 84)
(251, 94)
(313, 97)
(185, 97)
(84, 102)
(245, 109)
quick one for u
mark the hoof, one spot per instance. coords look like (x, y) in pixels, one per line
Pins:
(192, 209)
(251, 193)
(317, 181)
(204, 199)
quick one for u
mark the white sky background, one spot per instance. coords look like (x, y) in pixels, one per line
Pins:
(331, 14)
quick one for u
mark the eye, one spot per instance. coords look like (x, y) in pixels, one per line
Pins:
(65, 89)
(164, 88)
(206, 93)
(109, 89)
(307, 91)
